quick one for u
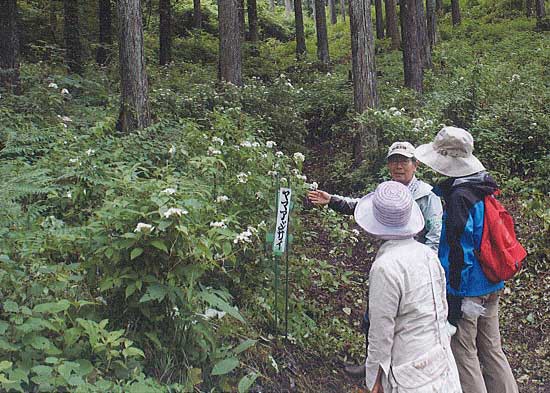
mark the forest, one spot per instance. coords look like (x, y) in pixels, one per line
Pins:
(142, 148)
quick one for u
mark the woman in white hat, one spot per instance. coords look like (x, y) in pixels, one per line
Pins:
(409, 348)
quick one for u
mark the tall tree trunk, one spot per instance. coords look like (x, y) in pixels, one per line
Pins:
(71, 31)
(423, 32)
(455, 12)
(300, 35)
(314, 15)
(197, 14)
(134, 88)
(529, 8)
(105, 32)
(364, 72)
(165, 36)
(431, 20)
(242, 22)
(230, 57)
(288, 8)
(9, 47)
(392, 27)
(343, 9)
(252, 9)
(332, 9)
(413, 64)
(540, 10)
(379, 19)
(322, 36)
(53, 20)
(439, 7)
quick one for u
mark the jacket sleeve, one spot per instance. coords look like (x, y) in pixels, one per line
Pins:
(432, 216)
(458, 212)
(342, 204)
(384, 297)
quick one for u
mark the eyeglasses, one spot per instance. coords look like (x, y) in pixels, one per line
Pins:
(398, 159)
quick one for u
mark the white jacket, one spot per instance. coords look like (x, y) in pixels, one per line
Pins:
(406, 323)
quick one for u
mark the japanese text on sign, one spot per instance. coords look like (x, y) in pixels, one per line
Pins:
(283, 213)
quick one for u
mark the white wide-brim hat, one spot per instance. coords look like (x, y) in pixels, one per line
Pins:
(450, 153)
(389, 213)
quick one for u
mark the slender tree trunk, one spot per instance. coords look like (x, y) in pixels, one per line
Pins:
(288, 8)
(529, 8)
(252, 21)
(455, 12)
(412, 45)
(71, 30)
(300, 35)
(439, 7)
(197, 14)
(365, 95)
(322, 36)
(392, 27)
(134, 88)
(9, 47)
(242, 22)
(105, 32)
(165, 36)
(431, 20)
(540, 10)
(332, 9)
(423, 32)
(314, 14)
(343, 9)
(379, 19)
(230, 57)
(53, 20)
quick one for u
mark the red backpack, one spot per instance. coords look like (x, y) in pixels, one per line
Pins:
(500, 254)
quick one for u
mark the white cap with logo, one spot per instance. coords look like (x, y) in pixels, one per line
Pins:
(402, 148)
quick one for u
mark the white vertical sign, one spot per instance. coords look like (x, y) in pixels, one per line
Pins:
(283, 214)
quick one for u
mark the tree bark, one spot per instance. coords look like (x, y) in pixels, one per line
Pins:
(364, 72)
(529, 8)
(288, 8)
(230, 57)
(540, 10)
(332, 9)
(9, 47)
(197, 14)
(379, 19)
(53, 20)
(242, 22)
(252, 9)
(392, 27)
(105, 32)
(73, 48)
(431, 19)
(413, 63)
(134, 100)
(343, 9)
(300, 35)
(165, 36)
(455, 12)
(439, 7)
(322, 36)
(423, 32)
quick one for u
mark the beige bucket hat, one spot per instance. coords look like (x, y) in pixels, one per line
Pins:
(450, 153)
(389, 212)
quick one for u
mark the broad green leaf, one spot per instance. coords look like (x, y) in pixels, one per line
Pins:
(6, 346)
(246, 382)
(160, 245)
(136, 252)
(4, 365)
(72, 335)
(86, 367)
(3, 327)
(53, 308)
(132, 352)
(154, 338)
(154, 292)
(225, 366)
(11, 306)
(221, 304)
(246, 344)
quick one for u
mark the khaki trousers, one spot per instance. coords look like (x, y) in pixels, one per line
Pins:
(482, 365)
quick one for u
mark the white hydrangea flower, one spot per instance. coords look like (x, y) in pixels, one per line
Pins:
(222, 199)
(217, 140)
(66, 119)
(272, 173)
(73, 160)
(243, 177)
(69, 194)
(243, 237)
(393, 109)
(218, 224)
(514, 78)
(172, 150)
(53, 85)
(175, 211)
(259, 195)
(279, 154)
(270, 144)
(313, 186)
(168, 191)
(90, 152)
(213, 313)
(246, 144)
(142, 227)
(397, 113)
(301, 177)
(64, 91)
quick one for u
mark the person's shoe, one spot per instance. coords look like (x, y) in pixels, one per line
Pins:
(356, 371)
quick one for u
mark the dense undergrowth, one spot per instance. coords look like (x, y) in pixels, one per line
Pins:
(137, 263)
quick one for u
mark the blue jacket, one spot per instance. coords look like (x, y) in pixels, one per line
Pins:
(461, 234)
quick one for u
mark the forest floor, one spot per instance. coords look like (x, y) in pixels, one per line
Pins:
(524, 300)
